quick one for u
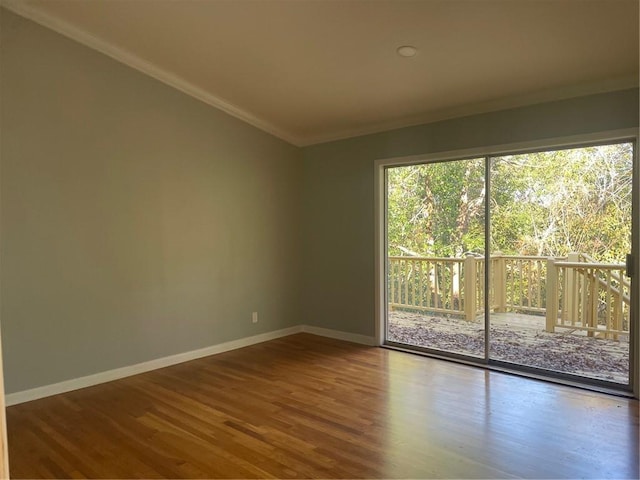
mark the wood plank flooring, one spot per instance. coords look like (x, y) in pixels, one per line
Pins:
(311, 407)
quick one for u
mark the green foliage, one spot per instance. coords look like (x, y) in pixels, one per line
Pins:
(544, 203)
(436, 209)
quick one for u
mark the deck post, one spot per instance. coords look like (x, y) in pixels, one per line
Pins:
(499, 283)
(592, 314)
(571, 293)
(552, 295)
(470, 282)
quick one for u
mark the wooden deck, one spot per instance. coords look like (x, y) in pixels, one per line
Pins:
(310, 407)
(576, 290)
(517, 338)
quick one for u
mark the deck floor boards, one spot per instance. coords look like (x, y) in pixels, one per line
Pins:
(517, 339)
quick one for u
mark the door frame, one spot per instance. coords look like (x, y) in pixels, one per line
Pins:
(380, 238)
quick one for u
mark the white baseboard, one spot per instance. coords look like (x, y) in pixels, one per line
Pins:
(339, 335)
(115, 374)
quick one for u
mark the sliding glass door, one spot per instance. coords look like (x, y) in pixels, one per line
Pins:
(435, 255)
(561, 229)
(515, 260)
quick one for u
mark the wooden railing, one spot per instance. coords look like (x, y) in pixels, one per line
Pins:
(518, 283)
(571, 292)
(422, 283)
(437, 284)
(589, 296)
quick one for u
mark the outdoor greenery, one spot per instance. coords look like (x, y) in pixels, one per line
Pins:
(543, 203)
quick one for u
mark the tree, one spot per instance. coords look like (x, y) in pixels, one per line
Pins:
(436, 209)
(543, 203)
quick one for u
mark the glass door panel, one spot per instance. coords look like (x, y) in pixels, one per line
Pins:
(560, 231)
(435, 218)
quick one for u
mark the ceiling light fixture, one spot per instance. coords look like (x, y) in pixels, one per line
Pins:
(407, 51)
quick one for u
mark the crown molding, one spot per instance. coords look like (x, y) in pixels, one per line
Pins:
(533, 98)
(81, 36)
(169, 78)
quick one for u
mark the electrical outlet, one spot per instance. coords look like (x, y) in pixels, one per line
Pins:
(254, 317)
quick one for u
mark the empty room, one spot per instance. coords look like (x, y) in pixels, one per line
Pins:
(319, 239)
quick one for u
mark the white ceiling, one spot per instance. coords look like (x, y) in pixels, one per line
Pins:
(311, 71)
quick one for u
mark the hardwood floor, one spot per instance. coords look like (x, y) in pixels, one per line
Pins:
(312, 407)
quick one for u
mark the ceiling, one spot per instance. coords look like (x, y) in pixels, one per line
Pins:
(313, 71)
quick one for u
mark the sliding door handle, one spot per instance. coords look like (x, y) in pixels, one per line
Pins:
(629, 265)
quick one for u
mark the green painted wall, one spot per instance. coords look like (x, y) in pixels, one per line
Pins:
(137, 222)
